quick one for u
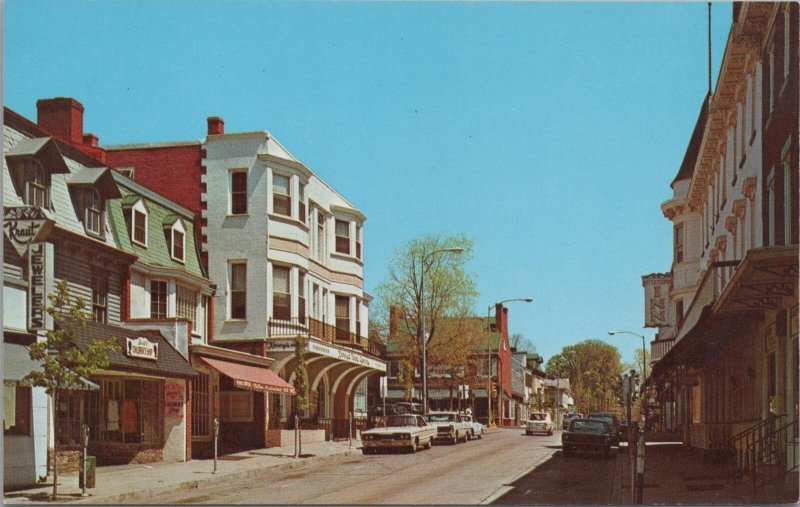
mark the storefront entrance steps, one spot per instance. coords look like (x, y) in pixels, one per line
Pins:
(140, 483)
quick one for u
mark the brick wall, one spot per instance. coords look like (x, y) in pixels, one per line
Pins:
(159, 169)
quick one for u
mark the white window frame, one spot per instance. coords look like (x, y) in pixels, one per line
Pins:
(231, 265)
(181, 303)
(177, 227)
(33, 172)
(93, 207)
(288, 269)
(141, 209)
(276, 194)
(166, 298)
(337, 236)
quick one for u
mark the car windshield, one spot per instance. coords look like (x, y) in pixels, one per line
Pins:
(538, 417)
(401, 420)
(588, 426)
(440, 417)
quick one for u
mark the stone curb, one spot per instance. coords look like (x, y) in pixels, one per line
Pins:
(149, 493)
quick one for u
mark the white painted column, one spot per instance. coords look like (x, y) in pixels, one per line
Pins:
(294, 186)
(268, 290)
(352, 314)
(294, 284)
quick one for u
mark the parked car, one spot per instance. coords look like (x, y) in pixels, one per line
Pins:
(376, 416)
(587, 435)
(477, 428)
(449, 426)
(539, 422)
(613, 423)
(405, 431)
(405, 407)
(570, 417)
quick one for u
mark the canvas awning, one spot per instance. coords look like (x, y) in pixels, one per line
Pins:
(17, 363)
(251, 378)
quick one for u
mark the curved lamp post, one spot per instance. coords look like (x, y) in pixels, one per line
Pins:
(499, 380)
(424, 337)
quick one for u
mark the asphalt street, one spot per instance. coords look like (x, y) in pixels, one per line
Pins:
(468, 473)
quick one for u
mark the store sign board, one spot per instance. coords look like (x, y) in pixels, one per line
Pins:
(36, 286)
(142, 348)
(24, 225)
(656, 301)
(173, 400)
(328, 351)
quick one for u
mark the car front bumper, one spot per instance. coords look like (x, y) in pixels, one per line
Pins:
(386, 444)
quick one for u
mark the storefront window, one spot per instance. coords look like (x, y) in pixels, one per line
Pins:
(16, 410)
(201, 407)
(131, 411)
(236, 406)
(69, 418)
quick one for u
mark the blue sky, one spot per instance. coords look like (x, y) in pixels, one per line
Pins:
(548, 132)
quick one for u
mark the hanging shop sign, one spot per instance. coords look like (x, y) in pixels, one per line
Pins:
(173, 400)
(656, 300)
(142, 348)
(24, 225)
(36, 286)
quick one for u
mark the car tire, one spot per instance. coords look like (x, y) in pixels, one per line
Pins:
(413, 447)
(480, 436)
(429, 444)
(454, 441)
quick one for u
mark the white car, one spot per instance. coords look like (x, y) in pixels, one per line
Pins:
(539, 422)
(405, 431)
(477, 428)
(449, 426)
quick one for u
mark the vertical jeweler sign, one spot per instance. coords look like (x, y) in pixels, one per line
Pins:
(26, 228)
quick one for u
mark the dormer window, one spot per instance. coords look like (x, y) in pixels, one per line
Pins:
(136, 219)
(89, 188)
(36, 185)
(30, 164)
(176, 238)
(93, 212)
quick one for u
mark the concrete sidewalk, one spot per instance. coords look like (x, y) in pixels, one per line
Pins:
(675, 474)
(140, 483)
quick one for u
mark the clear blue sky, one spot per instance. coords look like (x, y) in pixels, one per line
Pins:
(548, 132)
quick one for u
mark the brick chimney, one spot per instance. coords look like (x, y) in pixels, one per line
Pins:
(501, 319)
(63, 117)
(216, 125)
(90, 139)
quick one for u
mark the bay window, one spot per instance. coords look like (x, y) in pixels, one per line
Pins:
(158, 299)
(343, 237)
(281, 195)
(281, 293)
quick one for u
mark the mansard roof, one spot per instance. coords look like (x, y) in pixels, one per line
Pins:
(686, 170)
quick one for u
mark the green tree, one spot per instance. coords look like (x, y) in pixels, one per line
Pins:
(300, 383)
(64, 364)
(407, 378)
(449, 293)
(593, 368)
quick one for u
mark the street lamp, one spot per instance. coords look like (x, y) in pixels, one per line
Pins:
(644, 368)
(499, 381)
(455, 250)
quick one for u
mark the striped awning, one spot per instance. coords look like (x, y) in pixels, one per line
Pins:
(251, 378)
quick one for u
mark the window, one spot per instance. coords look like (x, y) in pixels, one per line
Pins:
(321, 237)
(201, 407)
(178, 242)
(129, 411)
(99, 297)
(302, 203)
(358, 241)
(772, 78)
(36, 184)
(281, 295)
(358, 318)
(236, 406)
(238, 290)
(343, 318)
(16, 410)
(301, 297)
(239, 193)
(186, 304)
(394, 368)
(343, 237)
(69, 418)
(158, 299)
(139, 226)
(281, 196)
(679, 243)
(771, 207)
(93, 212)
(787, 200)
(679, 313)
(786, 46)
